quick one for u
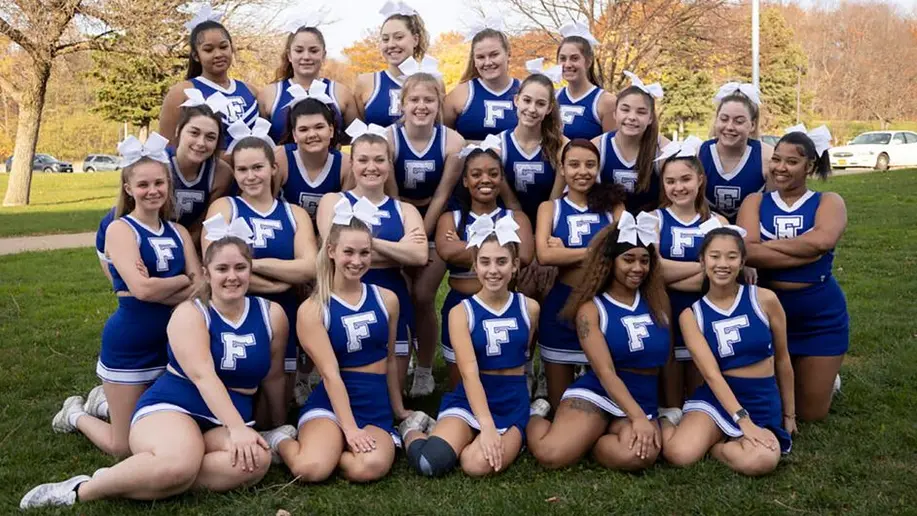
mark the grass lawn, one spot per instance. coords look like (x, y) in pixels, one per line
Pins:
(862, 460)
(61, 203)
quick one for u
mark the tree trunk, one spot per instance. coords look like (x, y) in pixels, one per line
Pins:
(33, 100)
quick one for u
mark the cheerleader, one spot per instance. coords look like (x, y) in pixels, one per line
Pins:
(153, 267)
(743, 414)
(586, 109)
(191, 429)
(792, 233)
(735, 160)
(481, 423)
(622, 321)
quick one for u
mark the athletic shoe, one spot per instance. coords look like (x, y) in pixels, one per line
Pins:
(94, 401)
(418, 421)
(57, 493)
(836, 389)
(411, 365)
(274, 438)
(61, 422)
(423, 385)
(540, 407)
(673, 414)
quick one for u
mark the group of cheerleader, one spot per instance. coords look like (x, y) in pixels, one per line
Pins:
(245, 246)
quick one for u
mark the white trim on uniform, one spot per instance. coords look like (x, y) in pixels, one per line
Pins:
(320, 413)
(128, 376)
(718, 165)
(562, 356)
(379, 300)
(727, 427)
(465, 416)
(265, 306)
(683, 354)
(171, 407)
(732, 309)
(753, 297)
(775, 196)
(601, 402)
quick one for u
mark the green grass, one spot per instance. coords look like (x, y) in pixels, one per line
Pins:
(862, 460)
(61, 203)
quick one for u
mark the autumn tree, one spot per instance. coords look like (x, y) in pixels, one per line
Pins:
(363, 55)
(451, 50)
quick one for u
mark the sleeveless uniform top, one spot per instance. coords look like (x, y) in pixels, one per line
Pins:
(100, 234)
(241, 350)
(384, 105)
(279, 112)
(613, 168)
(191, 197)
(631, 333)
(576, 225)
(777, 220)
(487, 111)
(273, 232)
(391, 220)
(739, 336)
(580, 116)
(726, 191)
(500, 338)
(418, 173)
(461, 229)
(358, 334)
(679, 241)
(162, 252)
(242, 103)
(530, 176)
(305, 192)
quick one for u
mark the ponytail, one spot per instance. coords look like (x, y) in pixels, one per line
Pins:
(821, 164)
(324, 266)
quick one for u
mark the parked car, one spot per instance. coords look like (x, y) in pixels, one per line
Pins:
(44, 163)
(101, 163)
(877, 149)
(770, 139)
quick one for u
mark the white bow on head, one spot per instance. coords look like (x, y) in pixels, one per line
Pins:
(428, 64)
(239, 130)
(714, 223)
(643, 227)
(745, 88)
(358, 128)
(317, 90)
(578, 29)
(484, 226)
(492, 141)
(820, 136)
(216, 102)
(132, 151)
(391, 8)
(554, 73)
(478, 24)
(311, 19)
(653, 90)
(682, 149)
(363, 209)
(217, 228)
(205, 14)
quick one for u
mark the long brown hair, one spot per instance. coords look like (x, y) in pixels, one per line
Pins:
(649, 142)
(471, 71)
(285, 68)
(417, 28)
(585, 48)
(324, 266)
(601, 197)
(552, 135)
(701, 206)
(203, 290)
(127, 204)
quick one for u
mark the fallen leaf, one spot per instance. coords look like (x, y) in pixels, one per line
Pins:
(551, 499)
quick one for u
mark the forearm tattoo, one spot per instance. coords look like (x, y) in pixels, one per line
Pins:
(582, 327)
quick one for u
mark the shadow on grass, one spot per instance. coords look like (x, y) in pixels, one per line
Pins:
(72, 201)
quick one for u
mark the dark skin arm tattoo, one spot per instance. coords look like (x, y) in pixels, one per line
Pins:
(584, 406)
(582, 327)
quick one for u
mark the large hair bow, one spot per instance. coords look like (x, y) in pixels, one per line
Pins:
(479, 24)
(578, 29)
(484, 226)
(714, 223)
(820, 136)
(683, 149)
(392, 8)
(745, 88)
(428, 64)
(358, 128)
(311, 19)
(491, 142)
(363, 209)
(643, 228)
(653, 90)
(132, 151)
(554, 73)
(239, 130)
(205, 14)
(216, 102)
(317, 90)
(217, 229)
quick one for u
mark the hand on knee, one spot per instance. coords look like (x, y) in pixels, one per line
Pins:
(432, 457)
(474, 464)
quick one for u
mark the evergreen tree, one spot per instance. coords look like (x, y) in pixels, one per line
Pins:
(687, 98)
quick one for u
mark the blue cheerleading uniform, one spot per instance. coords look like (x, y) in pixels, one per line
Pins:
(739, 337)
(359, 336)
(575, 226)
(679, 241)
(273, 235)
(300, 189)
(241, 352)
(636, 341)
(418, 173)
(531, 176)
(384, 105)
(242, 103)
(817, 322)
(100, 234)
(191, 197)
(581, 116)
(613, 168)
(486, 111)
(280, 112)
(134, 338)
(500, 339)
(726, 190)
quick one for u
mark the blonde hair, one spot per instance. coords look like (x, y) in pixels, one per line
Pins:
(417, 28)
(204, 291)
(127, 204)
(426, 79)
(471, 71)
(324, 267)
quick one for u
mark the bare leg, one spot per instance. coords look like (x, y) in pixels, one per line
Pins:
(426, 282)
(112, 438)
(559, 377)
(744, 457)
(368, 467)
(475, 465)
(315, 455)
(263, 417)
(673, 384)
(454, 431)
(814, 384)
(693, 379)
(613, 449)
(217, 472)
(689, 442)
(576, 427)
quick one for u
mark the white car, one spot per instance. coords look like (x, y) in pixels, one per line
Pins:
(877, 149)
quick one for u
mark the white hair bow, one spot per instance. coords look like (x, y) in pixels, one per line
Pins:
(317, 90)
(428, 64)
(310, 20)
(747, 89)
(492, 22)
(132, 151)
(391, 8)
(643, 228)
(820, 136)
(217, 229)
(683, 149)
(239, 130)
(363, 209)
(358, 128)
(205, 14)
(216, 102)
(492, 141)
(578, 29)
(554, 73)
(484, 226)
(714, 223)
(653, 90)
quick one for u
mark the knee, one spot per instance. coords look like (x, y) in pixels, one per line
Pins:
(177, 475)
(627, 461)
(263, 460)
(757, 463)
(680, 455)
(369, 467)
(810, 413)
(311, 471)
(551, 456)
(432, 457)
(120, 450)
(473, 462)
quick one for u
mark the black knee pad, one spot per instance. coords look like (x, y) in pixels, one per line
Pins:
(432, 457)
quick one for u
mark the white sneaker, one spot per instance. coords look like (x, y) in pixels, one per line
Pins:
(836, 389)
(423, 385)
(94, 401)
(275, 437)
(411, 365)
(540, 407)
(418, 421)
(61, 422)
(57, 493)
(673, 414)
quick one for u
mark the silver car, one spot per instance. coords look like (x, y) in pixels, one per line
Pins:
(101, 163)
